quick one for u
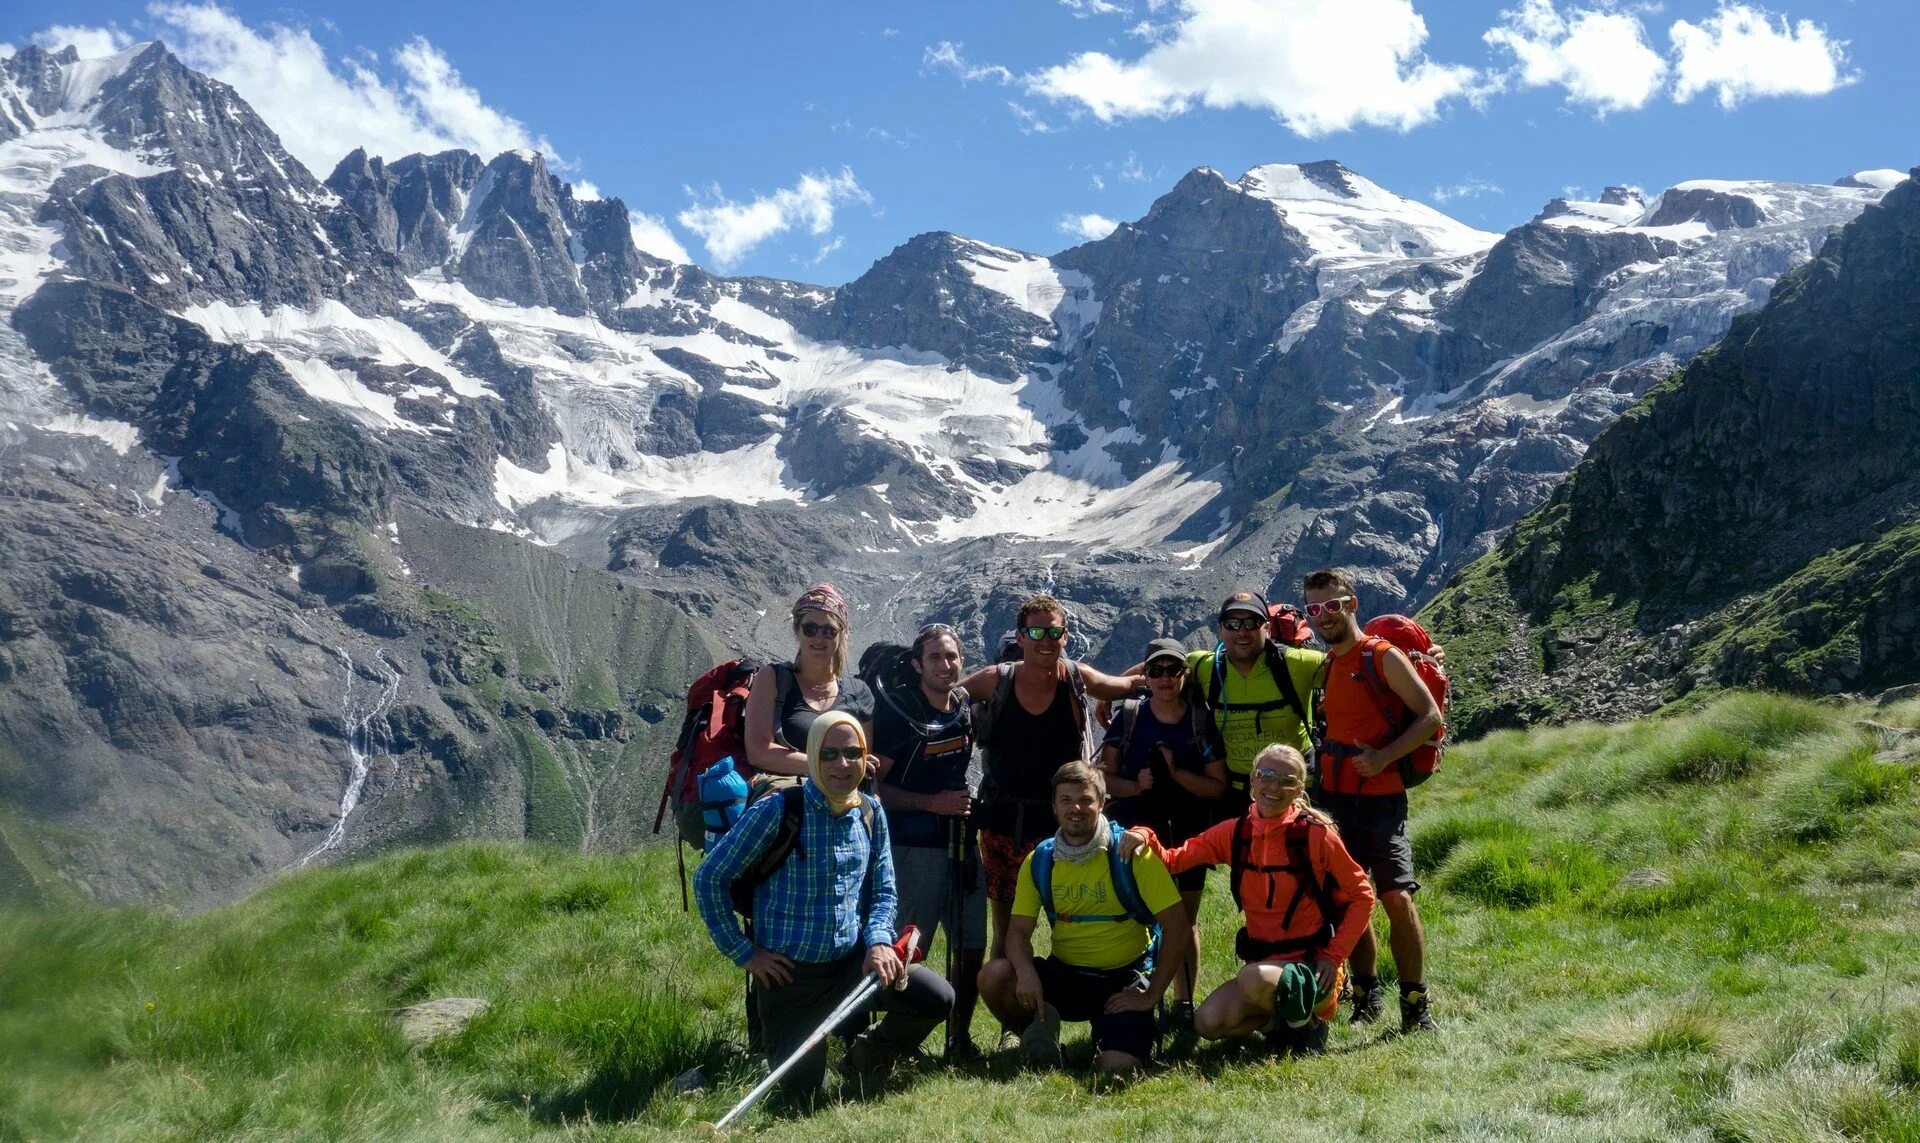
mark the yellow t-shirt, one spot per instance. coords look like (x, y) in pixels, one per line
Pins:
(1086, 888)
(1247, 732)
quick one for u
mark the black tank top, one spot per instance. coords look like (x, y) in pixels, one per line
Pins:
(1025, 751)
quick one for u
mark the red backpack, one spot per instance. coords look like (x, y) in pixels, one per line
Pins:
(1286, 626)
(1411, 638)
(715, 726)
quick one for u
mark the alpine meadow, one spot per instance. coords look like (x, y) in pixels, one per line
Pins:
(1333, 651)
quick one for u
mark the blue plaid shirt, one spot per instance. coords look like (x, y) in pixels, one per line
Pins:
(810, 909)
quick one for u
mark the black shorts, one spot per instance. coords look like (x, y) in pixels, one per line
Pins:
(1374, 828)
(1081, 994)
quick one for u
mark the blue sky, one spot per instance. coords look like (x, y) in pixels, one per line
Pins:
(805, 141)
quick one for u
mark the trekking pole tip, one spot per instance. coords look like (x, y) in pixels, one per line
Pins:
(711, 1130)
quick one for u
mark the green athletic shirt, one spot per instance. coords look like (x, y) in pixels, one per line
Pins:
(1247, 732)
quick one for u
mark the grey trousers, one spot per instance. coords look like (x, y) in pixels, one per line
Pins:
(789, 1013)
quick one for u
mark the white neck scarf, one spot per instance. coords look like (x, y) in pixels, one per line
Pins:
(1064, 850)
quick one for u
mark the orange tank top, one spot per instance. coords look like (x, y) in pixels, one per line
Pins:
(1354, 718)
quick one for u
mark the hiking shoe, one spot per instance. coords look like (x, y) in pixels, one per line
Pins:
(1369, 1003)
(1414, 1016)
(864, 1065)
(1311, 1040)
(963, 1053)
(1040, 1043)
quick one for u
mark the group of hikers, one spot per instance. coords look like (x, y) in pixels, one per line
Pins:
(852, 810)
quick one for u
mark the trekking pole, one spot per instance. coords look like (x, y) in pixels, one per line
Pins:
(908, 948)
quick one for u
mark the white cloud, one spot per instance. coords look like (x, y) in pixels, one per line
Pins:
(889, 33)
(1099, 183)
(821, 255)
(1600, 56)
(1318, 65)
(585, 191)
(652, 234)
(1473, 186)
(1087, 227)
(1082, 9)
(91, 43)
(322, 108)
(7, 51)
(1131, 171)
(946, 55)
(1741, 52)
(730, 230)
(1030, 121)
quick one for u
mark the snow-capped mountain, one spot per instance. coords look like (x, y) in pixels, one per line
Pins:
(324, 390)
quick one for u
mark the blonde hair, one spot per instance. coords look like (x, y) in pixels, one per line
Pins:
(828, 601)
(1279, 752)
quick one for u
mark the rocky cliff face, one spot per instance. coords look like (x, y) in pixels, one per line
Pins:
(443, 432)
(1752, 522)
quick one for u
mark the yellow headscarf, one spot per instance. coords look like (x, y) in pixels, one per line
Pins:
(817, 737)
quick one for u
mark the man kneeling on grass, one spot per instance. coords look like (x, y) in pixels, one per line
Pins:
(1306, 903)
(1105, 914)
(824, 917)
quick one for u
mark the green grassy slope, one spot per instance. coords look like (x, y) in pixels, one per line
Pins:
(1761, 986)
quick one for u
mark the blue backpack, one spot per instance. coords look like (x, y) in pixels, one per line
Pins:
(1125, 887)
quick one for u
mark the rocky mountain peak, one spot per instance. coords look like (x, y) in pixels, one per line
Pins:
(1623, 196)
(512, 241)
(1344, 217)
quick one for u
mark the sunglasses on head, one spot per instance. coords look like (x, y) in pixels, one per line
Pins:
(849, 753)
(814, 630)
(1038, 633)
(1247, 623)
(1164, 670)
(1269, 774)
(1336, 604)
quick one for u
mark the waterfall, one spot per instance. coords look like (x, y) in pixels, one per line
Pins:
(365, 733)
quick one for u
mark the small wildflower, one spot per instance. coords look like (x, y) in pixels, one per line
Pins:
(150, 1005)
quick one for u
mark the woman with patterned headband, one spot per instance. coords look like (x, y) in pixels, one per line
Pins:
(787, 697)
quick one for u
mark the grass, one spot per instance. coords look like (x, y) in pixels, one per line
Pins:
(1698, 927)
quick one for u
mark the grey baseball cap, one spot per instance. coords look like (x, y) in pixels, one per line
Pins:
(1251, 602)
(1166, 649)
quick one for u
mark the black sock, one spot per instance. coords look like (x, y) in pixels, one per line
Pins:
(1409, 987)
(1366, 983)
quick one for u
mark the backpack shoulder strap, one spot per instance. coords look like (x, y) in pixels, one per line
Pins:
(1041, 869)
(1126, 886)
(1309, 880)
(786, 841)
(1082, 708)
(782, 690)
(1374, 677)
(1283, 678)
(1129, 718)
(1237, 858)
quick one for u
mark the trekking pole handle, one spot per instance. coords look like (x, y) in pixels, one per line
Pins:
(908, 949)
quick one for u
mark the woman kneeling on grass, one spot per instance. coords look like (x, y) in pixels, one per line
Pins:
(1305, 900)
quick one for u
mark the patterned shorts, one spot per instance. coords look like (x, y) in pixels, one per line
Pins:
(1000, 861)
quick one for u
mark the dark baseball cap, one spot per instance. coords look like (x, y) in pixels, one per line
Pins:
(1166, 649)
(1249, 601)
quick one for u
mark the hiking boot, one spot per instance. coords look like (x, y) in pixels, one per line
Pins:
(1414, 1016)
(1369, 1003)
(1040, 1043)
(963, 1053)
(864, 1065)
(1310, 1039)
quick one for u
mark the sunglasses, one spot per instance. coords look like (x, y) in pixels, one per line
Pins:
(1166, 670)
(848, 753)
(1038, 633)
(814, 630)
(1332, 606)
(1269, 774)
(1247, 624)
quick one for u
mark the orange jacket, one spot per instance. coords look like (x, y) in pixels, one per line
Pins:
(1266, 895)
